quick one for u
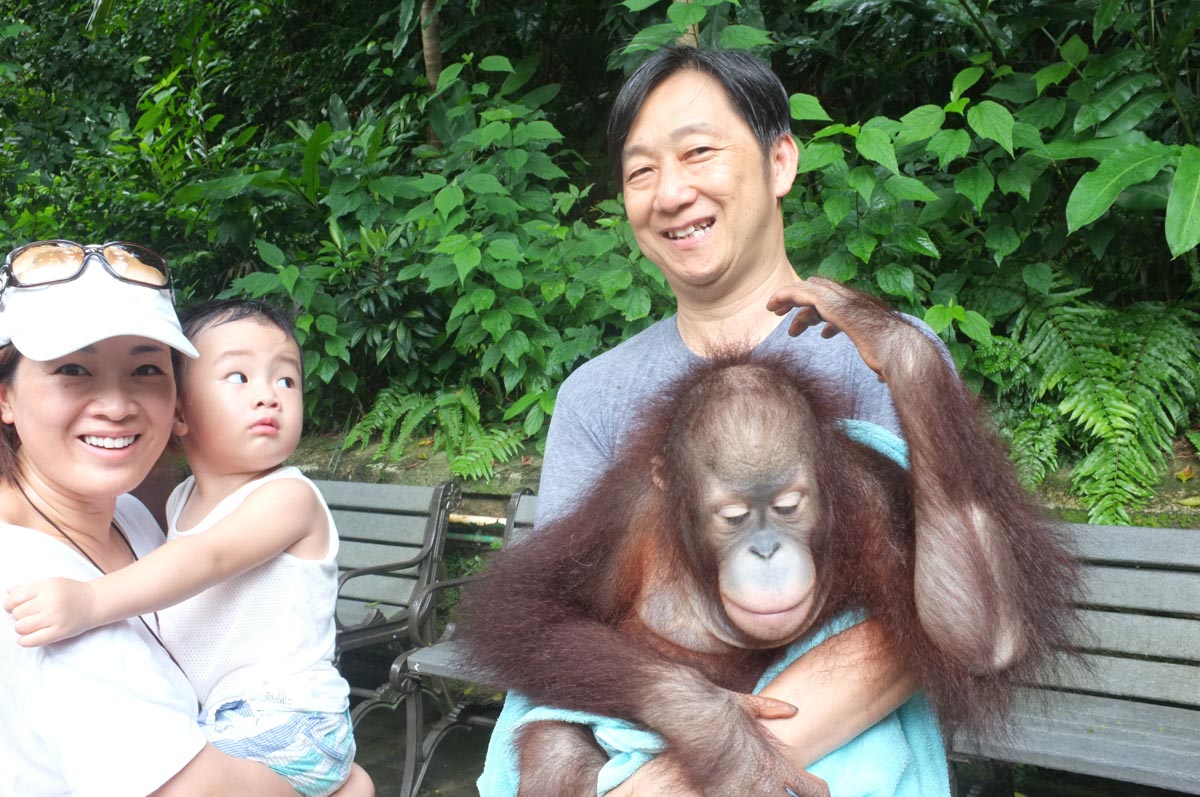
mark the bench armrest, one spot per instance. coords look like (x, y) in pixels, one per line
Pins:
(421, 601)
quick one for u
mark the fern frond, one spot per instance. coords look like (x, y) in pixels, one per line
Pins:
(1114, 478)
(487, 447)
(417, 411)
(1034, 449)
(1127, 380)
(391, 404)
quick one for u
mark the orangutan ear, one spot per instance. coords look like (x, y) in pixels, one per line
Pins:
(656, 473)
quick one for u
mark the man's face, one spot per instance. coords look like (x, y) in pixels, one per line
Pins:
(702, 197)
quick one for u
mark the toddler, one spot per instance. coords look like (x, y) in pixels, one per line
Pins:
(246, 583)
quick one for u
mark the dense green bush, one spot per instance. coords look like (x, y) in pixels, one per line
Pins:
(1024, 176)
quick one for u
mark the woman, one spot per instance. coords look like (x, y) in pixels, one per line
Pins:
(87, 402)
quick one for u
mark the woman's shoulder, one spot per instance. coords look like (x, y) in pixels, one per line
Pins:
(138, 525)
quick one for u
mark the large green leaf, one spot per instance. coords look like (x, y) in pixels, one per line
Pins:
(1002, 240)
(909, 188)
(949, 146)
(992, 121)
(920, 123)
(744, 37)
(837, 207)
(684, 15)
(875, 144)
(965, 80)
(1051, 75)
(1136, 111)
(818, 155)
(1096, 149)
(1183, 208)
(1111, 99)
(1098, 189)
(1106, 12)
(976, 184)
(496, 63)
(806, 107)
(1074, 51)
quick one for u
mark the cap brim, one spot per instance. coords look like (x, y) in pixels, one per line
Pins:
(40, 347)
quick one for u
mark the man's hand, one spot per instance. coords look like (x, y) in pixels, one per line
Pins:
(49, 610)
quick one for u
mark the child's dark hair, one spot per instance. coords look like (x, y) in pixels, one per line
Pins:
(197, 318)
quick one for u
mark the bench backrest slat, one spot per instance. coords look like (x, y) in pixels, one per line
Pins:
(1135, 545)
(383, 589)
(355, 554)
(1132, 678)
(385, 527)
(1140, 635)
(1142, 590)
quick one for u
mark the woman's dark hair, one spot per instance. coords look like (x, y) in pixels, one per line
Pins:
(206, 315)
(9, 440)
(756, 93)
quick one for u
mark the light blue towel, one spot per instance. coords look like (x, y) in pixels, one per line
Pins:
(902, 755)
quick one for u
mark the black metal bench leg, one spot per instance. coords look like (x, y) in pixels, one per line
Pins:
(414, 734)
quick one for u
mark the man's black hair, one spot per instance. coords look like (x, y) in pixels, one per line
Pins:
(755, 92)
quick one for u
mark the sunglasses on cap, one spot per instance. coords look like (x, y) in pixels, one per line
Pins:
(50, 262)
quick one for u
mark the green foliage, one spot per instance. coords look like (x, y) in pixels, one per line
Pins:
(995, 211)
(1126, 381)
(455, 420)
(452, 276)
(1023, 176)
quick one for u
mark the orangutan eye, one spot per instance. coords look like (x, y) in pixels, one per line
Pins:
(734, 513)
(788, 503)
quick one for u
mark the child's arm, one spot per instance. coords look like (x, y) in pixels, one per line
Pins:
(270, 521)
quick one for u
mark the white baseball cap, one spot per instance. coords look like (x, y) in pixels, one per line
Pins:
(45, 322)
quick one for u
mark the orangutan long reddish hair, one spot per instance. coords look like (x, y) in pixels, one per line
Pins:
(738, 518)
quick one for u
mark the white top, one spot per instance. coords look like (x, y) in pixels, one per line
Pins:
(266, 635)
(105, 714)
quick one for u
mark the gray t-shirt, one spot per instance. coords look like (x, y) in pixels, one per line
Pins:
(598, 403)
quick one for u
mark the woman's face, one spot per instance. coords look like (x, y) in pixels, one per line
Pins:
(92, 423)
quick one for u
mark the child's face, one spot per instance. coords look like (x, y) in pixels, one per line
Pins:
(241, 399)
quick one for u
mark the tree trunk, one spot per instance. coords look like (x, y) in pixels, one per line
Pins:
(431, 48)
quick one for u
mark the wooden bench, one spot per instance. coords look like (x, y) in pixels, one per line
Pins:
(1132, 715)
(392, 539)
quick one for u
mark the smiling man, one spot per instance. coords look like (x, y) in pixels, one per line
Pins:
(702, 145)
